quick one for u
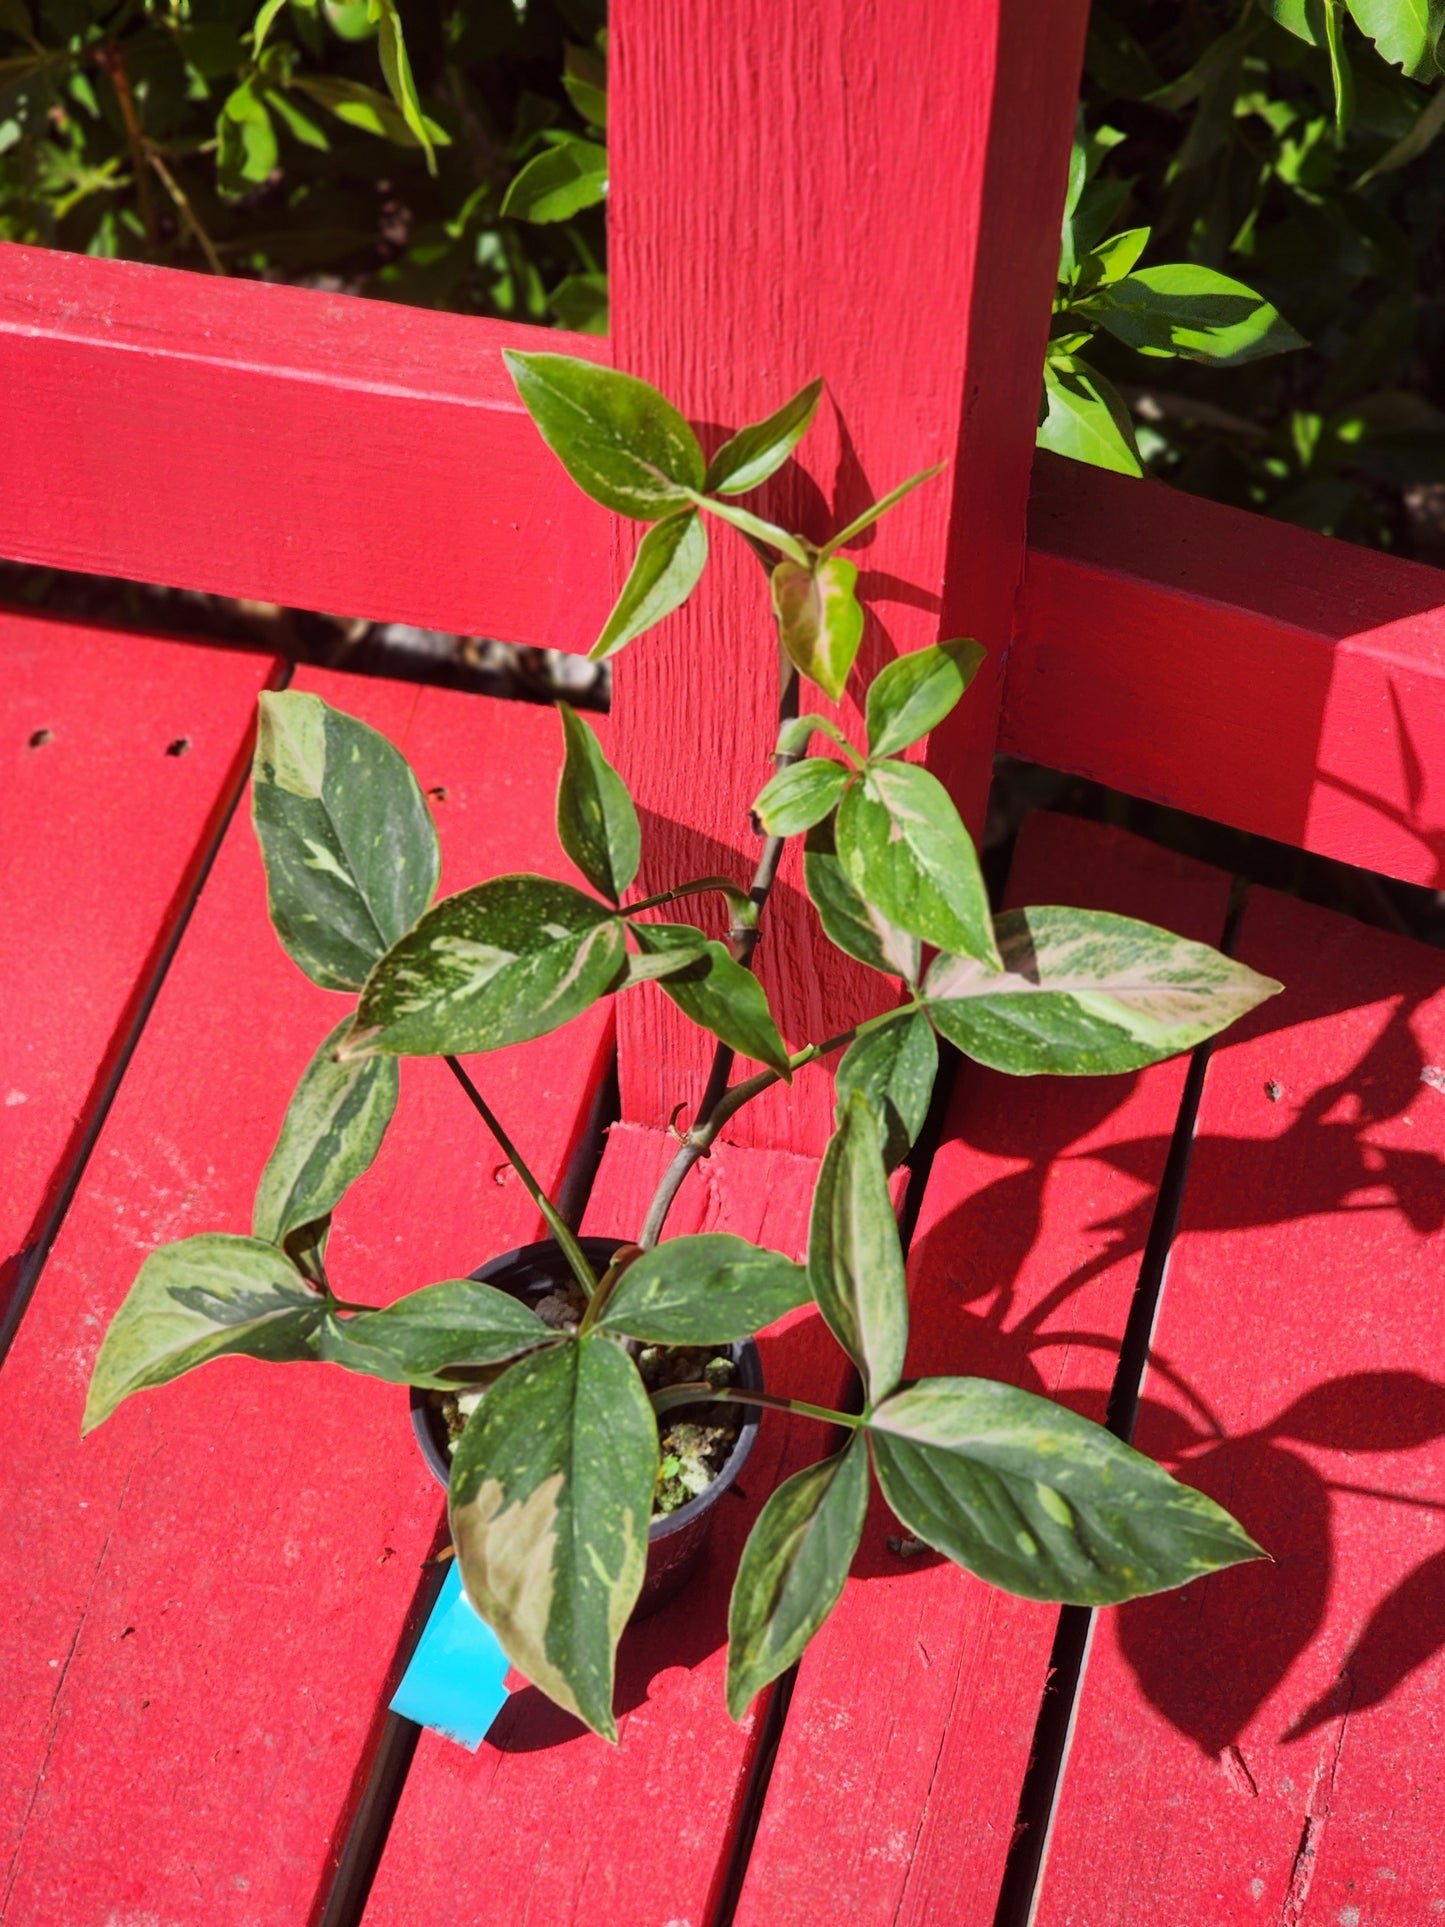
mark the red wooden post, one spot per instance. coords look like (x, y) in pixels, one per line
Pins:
(853, 192)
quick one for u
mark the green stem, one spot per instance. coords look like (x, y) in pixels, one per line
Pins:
(703, 1393)
(738, 898)
(607, 1285)
(556, 1224)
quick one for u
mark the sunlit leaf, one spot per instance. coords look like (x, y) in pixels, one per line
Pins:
(460, 1322)
(1085, 417)
(757, 452)
(800, 795)
(905, 849)
(820, 619)
(205, 1297)
(669, 562)
(551, 1493)
(558, 183)
(855, 1262)
(1084, 992)
(1037, 1500)
(915, 692)
(719, 994)
(712, 1289)
(849, 920)
(793, 1568)
(332, 1131)
(617, 437)
(892, 1069)
(1182, 308)
(878, 509)
(596, 819)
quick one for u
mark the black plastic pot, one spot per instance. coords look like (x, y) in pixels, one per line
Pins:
(676, 1540)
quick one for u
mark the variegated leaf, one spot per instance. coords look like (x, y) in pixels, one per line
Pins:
(498, 964)
(458, 1322)
(716, 992)
(1037, 1500)
(793, 1568)
(596, 819)
(852, 923)
(332, 1130)
(905, 850)
(349, 844)
(551, 1494)
(1084, 992)
(819, 619)
(892, 1069)
(855, 1262)
(202, 1298)
(711, 1289)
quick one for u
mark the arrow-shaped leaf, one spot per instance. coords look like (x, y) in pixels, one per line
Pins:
(669, 562)
(712, 1289)
(906, 851)
(498, 964)
(820, 619)
(793, 1568)
(332, 1130)
(1083, 992)
(855, 1262)
(757, 452)
(202, 1298)
(551, 1493)
(617, 437)
(1037, 1500)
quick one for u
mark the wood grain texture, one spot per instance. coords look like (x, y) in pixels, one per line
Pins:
(897, 1781)
(864, 202)
(1233, 666)
(199, 1639)
(120, 755)
(291, 446)
(548, 1826)
(1267, 1745)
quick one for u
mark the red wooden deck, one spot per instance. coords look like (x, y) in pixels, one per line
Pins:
(207, 1604)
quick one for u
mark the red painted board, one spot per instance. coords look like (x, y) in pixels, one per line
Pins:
(548, 1826)
(333, 440)
(1248, 671)
(198, 1640)
(120, 755)
(865, 203)
(896, 1784)
(1268, 1745)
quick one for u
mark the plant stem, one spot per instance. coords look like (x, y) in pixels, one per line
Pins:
(558, 1226)
(112, 61)
(725, 885)
(188, 214)
(703, 1393)
(699, 1140)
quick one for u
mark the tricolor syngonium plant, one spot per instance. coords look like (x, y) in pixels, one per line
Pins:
(553, 1479)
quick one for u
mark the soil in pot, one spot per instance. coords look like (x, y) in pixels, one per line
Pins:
(703, 1447)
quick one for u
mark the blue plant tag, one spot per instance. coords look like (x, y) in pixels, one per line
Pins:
(455, 1683)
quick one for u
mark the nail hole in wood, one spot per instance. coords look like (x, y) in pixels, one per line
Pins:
(40, 737)
(179, 746)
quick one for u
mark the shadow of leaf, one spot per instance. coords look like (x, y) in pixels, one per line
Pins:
(1404, 1630)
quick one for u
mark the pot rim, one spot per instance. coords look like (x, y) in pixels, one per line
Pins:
(745, 1353)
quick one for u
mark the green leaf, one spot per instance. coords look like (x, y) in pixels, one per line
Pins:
(1085, 992)
(719, 994)
(501, 963)
(332, 1131)
(205, 1297)
(855, 1262)
(801, 795)
(906, 851)
(1428, 125)
(247, 148)
(300, 125)
(412, 1342)
(686, 946)
(396, 70)
(551, 1494)
(1342, 74)
(584, 75)
(915, 692)
(1112, 259)
(1035, 1499)
(1405, 32)
(596, 821)
(669, 562)
(358, 105)
(755, 453)
(621, 441)
(820, 619)
(753, 526)
(797, 732)
(879, 508)
(1085, 417)
(350, 847)
(1303, 18)
(579, 301)
(793, 1568)
(264, 22)
(892, 1069)
(848, 920)
(712, 1289)
(558, 183)
(1184, 309)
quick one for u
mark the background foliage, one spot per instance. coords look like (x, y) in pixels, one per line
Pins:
(1284, 144)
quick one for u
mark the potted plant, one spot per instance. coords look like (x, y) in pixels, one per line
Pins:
(558, 1398)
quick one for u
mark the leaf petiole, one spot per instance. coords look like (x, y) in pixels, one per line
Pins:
(702, 1393)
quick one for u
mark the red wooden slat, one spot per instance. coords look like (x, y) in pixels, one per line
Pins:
(547, 1824)
(864, 202)
(897, 1781)
(287, 445)
(1267, 1745)
(102, 833)
(198, 1639)
(1233, 666)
